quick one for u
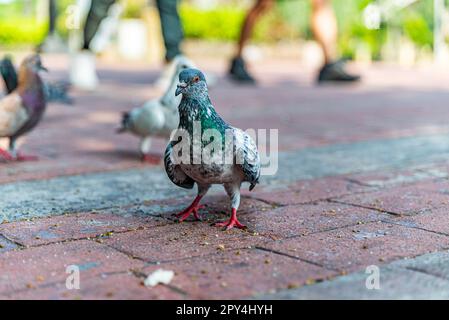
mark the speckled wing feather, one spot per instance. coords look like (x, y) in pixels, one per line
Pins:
(246, 149)
(13, 115)
(174, 172)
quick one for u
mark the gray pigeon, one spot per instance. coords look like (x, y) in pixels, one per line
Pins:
(244, 166)
(21, 110)
(156, 118)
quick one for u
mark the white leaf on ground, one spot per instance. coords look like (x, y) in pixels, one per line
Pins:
(159, 276)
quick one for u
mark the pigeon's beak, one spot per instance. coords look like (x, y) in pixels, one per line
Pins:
(180, 88)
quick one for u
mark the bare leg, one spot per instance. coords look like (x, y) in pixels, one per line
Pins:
(324, 28)
(248, 25)
(145, 146)
(325, 31)
(233, 191)
(17, 155)
(238, 70)
(195, 205)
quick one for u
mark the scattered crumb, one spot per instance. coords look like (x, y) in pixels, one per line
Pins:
(292, 286)
(159, 276)
(310, 282)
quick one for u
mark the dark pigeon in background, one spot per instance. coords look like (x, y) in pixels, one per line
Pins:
(54, 91)
(22, 109)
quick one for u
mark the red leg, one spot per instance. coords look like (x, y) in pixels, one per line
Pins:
(193, 208)
(151, 159)
(19, 157)
(233, 222)
(22, 157)
(6, 155)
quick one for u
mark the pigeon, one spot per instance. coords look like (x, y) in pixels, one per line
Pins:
(21, 110)
(156, 118)
(54, 91)
(196, 106)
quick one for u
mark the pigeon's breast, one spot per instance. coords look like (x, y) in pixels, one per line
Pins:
(212, 173)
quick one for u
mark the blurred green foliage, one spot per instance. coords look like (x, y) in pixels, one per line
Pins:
(21, 31)
(133, 9)
(217, 24)
(18, 26)
(289, 19)
(418, 23)
(352, 31)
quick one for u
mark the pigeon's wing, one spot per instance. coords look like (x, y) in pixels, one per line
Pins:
(148, 119)
(174, 171)
(247, 156)
(9, 74)
(13, 115)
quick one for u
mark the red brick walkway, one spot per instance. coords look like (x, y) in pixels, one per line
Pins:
(362, 181)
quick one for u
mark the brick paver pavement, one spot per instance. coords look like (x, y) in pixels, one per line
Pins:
(362, 181)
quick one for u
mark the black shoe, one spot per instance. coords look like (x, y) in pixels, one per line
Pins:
(335, 72)
(239, 73)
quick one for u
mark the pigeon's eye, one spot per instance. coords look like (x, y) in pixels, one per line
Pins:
(196, 79)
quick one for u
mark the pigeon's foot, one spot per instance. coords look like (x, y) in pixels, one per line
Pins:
(5, 155)
(151, 159)
(193, 208)
(187, 212)
(23, 157)
(233, 222)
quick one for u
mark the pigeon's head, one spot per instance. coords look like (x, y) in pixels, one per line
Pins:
(33, 63)
(192, 83)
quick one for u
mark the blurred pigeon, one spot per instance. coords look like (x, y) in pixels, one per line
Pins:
(157, 117)
(54, 91)
(21, 110)
(244, 167)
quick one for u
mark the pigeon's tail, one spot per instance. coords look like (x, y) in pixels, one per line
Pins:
(9, 74)
(126, 122)
(57, 91)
